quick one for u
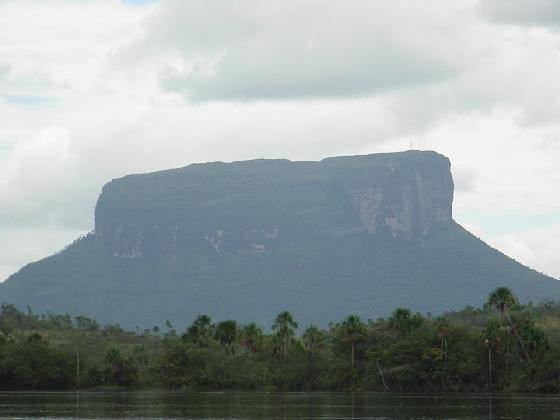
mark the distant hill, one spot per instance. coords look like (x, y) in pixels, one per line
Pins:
(245, 240)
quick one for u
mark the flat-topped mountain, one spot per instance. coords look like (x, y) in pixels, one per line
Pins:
(245, 240)
(263, 205)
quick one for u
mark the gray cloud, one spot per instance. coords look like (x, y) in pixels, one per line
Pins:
(305, 75)
(523, 12)
(427, 62)
(253, 50)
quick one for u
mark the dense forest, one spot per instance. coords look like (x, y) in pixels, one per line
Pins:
(503, 346)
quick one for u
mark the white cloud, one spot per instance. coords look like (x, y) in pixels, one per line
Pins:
(535, 247)
(296, 79)
(39, 242)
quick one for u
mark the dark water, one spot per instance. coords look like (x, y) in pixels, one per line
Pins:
(276, 405)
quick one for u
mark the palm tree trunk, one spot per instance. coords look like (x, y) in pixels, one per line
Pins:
(490, 364)
(381, 374)
(77, 369)
(507, 356)
(352, 356)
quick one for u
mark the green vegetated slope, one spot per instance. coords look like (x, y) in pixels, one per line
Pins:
(247, 240)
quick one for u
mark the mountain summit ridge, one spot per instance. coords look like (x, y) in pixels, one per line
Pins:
(350, 234)
(397, 193)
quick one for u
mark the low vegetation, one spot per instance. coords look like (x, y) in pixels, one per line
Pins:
(503, 346)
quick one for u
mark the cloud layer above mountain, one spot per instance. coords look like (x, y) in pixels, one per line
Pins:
(93, 90)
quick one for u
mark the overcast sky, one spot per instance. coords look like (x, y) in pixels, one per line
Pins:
(93, 90)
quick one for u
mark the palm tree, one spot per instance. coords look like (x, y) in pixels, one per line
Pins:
(491, 337)
(503, 298)
(314, 340)
(284, 325)
(353, 332)
(403, 321)
(200, 332)
(226, 333)
(250, 336)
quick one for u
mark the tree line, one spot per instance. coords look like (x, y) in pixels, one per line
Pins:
(502, 346)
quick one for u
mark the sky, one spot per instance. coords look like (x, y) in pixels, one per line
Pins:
(94, 90)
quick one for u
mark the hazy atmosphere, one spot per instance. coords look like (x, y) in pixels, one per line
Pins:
(95, 90)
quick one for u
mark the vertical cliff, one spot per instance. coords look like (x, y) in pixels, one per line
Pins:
(247, 207)
(400, 193)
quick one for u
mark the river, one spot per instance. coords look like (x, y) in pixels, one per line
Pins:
(275, 405)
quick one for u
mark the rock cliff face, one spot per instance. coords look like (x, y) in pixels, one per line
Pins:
(248, 207)
(246, 240)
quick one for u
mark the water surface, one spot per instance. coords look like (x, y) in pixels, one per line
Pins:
(255, 405)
